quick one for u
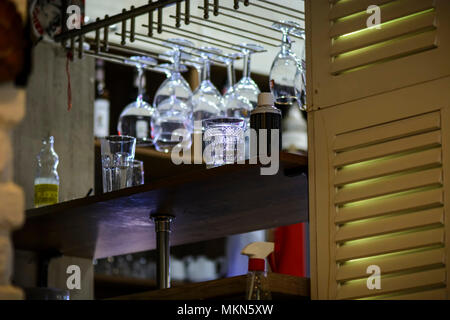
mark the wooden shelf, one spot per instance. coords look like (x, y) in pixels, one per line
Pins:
(107, 286)
(282, 287)
(208, 204)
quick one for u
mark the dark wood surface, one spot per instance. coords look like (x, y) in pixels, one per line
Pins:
(208, 204)
(108, 286)
(281, 286)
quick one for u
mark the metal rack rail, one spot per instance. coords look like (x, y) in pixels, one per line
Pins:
(101, 28)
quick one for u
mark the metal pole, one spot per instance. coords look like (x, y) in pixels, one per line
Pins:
(162, 229)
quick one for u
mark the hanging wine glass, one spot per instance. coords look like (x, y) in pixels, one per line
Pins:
(300, 89)
(207, 101)
(172, 123)
(136, 117)
(286, 73)
(235, 105)
(175, 81)
(246, 87)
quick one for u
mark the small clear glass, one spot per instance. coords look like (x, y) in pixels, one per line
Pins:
(224, 141)
(117, 152)
(137, 172)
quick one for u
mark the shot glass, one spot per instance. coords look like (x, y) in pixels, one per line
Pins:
(224, 141)
(137, 172)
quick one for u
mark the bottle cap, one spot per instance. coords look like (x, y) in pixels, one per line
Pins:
(256, 264)
(265, 99)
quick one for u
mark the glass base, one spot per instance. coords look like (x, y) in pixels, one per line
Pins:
(167, 146)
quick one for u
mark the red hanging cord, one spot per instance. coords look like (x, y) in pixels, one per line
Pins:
(69, 87)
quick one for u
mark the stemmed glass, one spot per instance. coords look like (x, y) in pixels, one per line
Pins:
(246, 87)
(235, 105)
(172, 123)
(286, 75)
(136, 117)
(175, 82)
(206, 100)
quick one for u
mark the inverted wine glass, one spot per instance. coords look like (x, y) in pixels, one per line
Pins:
(286, 74)
(246, 87)
(207, 102)
(135, 119)
(172, 123)
(235, 105)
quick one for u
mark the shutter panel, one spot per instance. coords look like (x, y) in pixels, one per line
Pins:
(350, 61)
(379, 172)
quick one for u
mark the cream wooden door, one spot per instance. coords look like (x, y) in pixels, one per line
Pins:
(379, 148)
(379, 194)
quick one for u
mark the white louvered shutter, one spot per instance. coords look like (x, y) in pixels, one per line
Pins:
(380, 195)
(349, 61)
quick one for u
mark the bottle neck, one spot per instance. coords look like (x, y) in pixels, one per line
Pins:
(100, 79)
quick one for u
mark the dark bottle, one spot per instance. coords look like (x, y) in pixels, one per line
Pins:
(266, 116)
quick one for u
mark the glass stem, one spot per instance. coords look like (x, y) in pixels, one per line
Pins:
(199, 73)
(206, 76)
(247, 62)
(285, 43)
(176, 60)
(231, 74)
(140, 86)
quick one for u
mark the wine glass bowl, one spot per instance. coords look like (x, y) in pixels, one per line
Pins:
(235, 105)
(135, 119)
(172, 123)
(246, 87)
(206, 100)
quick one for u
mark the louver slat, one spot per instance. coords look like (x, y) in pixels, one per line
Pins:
(413, 240)
(358, 289)
(372, 36)
(406, 202)
(430, 139)
(382, 51)
(393, 263)
(438, 294)
(346, 8)
(390, 224)
(378, 168)
(385, 186)
(390, 11)
(390, 131)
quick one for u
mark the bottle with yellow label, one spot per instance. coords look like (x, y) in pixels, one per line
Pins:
(46, 182)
